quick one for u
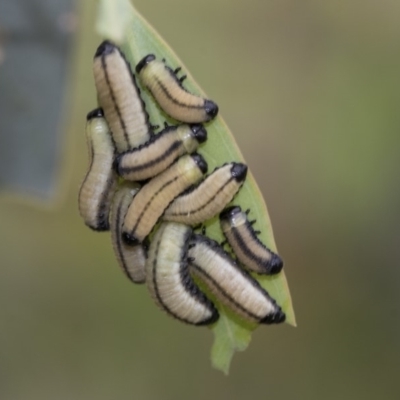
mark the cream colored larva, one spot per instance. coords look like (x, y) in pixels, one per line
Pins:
(151, 201)
(132, 259)
(230, 284)
(209, 198)
(160, 152)
(169, 93)
(168, 279)
(119, 97)
(100, 181)
(250, 251)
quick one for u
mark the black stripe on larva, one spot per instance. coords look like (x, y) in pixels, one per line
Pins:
(103, 223)
(102, 220)
(275, 264)
(129, 237)
(96, 113)
(191, 287)
(187, 283)
(144, 61)
(273, 318)
(125, 170)
(119, 244)
(156, 291)
(146, 114)
(243, 169)
(118, 111)
(152, 139)
(174, 100)
(91, 157)
(208, 277)
(105, 48)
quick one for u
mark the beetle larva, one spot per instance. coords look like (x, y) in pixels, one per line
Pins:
(210, 197)
(119, 97)
(168, 277)
(169, 93)
(230, 284)
(250, 251)
(100, 181)
(160, 152)
(154, 197)
(132, 259)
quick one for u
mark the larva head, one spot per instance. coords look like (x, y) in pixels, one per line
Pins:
(239, 171)
(274, 318)
(97, 132)
(232, 217)
(105, 48)
(191, 168)
(201, 162)
(129, 239)
(211, 109)
(276, 264)
(189, 134)
(96, 113)
(199, 132)
(230, 212)
(144, 61)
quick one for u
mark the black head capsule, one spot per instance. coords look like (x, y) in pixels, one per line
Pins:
(199, 132)
(96, 113)
(275, 318)
(230, 212)
(210, 108)
(144, 61)
(239, 172)
(130, 239)
(201, 162)
(105, 48)
(276, 264)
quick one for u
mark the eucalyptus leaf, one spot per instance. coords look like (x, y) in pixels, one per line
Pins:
(138, 38)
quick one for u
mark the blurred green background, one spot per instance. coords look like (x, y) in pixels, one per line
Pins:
(311, 91)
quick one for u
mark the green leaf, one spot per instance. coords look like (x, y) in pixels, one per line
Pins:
(120, 22)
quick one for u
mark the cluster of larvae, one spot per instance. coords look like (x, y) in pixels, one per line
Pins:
(150, 191)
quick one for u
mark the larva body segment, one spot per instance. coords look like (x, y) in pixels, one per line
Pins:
(210, 197)
(160, 152)
(119, 97)
(250, 251)
(169, 93)
(168, 279)
(154, 197)
(132, 259)
(100, 181)
(230, 284)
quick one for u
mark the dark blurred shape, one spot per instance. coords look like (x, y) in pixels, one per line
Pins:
(35, 42)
